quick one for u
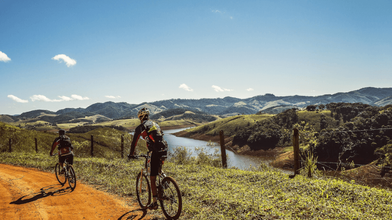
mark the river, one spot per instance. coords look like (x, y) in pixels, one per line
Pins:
(242, 162)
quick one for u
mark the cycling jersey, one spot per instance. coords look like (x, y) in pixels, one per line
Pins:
(152, 133)
(63, 150)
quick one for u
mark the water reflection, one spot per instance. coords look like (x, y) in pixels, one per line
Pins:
(234, 160)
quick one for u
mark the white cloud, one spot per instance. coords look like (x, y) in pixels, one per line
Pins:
(78, 97)
(16, 99)
(62, 98)
(112, 96)
(4, 57)
(185, 87)
(68, 61)
(42, 98)
(250, 89)
(219, 89)
(222, 14)
(65, 98)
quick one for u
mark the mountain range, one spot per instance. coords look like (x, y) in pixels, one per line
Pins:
(222, 107)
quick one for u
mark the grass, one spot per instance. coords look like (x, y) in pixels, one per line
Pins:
(229, 125)
(210, 192)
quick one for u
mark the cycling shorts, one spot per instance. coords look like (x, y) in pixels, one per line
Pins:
(155, 163)
(68, 157)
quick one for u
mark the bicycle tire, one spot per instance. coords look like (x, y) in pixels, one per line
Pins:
(170, 198)
(143, 190)
(60, 177)
(71, 178)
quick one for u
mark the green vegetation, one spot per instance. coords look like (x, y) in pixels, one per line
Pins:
(230, 125)
(209, 192)
(107, 141)
(214, 193)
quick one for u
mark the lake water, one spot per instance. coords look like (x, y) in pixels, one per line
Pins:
(234, 160)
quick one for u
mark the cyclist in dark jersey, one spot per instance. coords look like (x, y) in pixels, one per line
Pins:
(65, 149)
(153, 135)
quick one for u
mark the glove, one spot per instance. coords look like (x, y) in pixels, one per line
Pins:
(132, 157)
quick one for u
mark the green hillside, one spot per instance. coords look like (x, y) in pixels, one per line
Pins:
(107, 141)
(230, 125)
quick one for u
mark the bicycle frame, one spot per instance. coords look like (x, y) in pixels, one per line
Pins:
(169, 194)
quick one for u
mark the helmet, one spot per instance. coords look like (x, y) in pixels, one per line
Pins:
(61, 132)
(143, 114)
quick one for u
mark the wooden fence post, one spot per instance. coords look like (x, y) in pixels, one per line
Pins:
(296, 151)
(9, 144)
(36, 145)
(122, 146)
(223, 149)
(92, 146)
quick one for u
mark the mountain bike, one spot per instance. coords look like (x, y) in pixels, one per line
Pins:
(169, 194)
(68, 174)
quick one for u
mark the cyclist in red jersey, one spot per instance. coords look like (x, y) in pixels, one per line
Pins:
(65, 149)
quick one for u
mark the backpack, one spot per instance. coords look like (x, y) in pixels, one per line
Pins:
(155, 141)
(65, 146)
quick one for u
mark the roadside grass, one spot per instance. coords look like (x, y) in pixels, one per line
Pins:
(210, 192)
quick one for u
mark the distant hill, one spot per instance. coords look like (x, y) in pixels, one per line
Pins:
(181, 113)
(223, 107)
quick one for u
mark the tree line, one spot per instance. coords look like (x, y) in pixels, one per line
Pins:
(335, 132)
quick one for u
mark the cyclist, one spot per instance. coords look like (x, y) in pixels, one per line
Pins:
(153, 136)
(65, 149)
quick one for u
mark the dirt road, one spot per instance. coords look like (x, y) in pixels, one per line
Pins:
(32, 194)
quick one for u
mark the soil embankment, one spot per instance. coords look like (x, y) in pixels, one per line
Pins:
(27, 193)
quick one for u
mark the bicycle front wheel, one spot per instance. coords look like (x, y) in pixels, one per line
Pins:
(71, 178)
(60, 177)
(170, 198)
(143, 190)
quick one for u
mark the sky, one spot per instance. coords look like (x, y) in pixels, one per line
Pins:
(70, 54)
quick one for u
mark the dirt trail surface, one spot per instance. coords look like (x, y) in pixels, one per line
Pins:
(27, 193)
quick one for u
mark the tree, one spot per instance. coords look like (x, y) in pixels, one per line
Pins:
(311, 108)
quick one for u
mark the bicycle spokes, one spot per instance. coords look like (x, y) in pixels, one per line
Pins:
(171, 200)
(143, 190)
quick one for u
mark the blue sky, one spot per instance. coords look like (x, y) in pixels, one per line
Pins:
(60, 54)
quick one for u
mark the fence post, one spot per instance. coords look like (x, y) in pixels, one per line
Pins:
(9, 144)
(296, 151)
(223, 150)
(92, 146)
(122, 146)
(36, 145)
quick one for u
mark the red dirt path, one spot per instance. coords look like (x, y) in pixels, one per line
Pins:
(27, 193)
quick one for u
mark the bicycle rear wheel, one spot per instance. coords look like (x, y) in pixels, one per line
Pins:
(60, 177)
(143, 190)
(170, 198)
(71, 178)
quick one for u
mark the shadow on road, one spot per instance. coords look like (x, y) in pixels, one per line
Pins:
(133, 215)
(51, 190)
